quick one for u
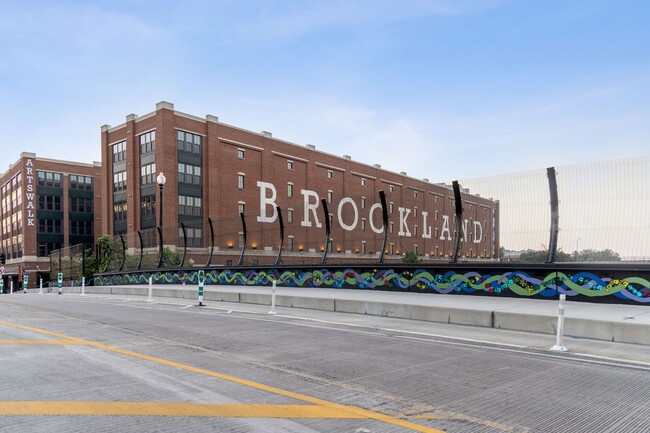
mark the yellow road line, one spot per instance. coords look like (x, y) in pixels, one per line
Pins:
(38, 342)
(171, 409)
(352, 410)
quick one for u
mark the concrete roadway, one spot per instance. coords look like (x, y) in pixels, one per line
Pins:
(120, 363)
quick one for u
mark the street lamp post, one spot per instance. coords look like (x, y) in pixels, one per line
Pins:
(161, 183)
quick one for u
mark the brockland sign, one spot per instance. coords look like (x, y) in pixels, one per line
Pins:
(269, 214)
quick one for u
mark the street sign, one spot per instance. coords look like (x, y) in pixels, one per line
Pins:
(25, 281)
(2, 285)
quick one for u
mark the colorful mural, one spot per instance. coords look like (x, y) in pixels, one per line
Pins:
(632, 289)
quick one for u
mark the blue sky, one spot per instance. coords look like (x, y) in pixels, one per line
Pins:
(440, 89)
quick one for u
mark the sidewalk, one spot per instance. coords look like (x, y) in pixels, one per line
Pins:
(618, 323)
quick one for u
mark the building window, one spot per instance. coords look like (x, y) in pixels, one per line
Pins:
(330, 174)
(189, 206)
(194, 236)
(119, 211)
(363, 247)
(290, 243)
(289, 165)
(80, 182)
(45, 178)
(189, 174)
(415, 194)
(148, 207)
(363, 223)
(148, 142)
(363, 202)
(330, 196)
(363, 182)
(242, 207)
(49, 202)
(188, 142)
(390, 188)
(290, 216)
(390, 207)
(240, 153)
(119, 181)
(148, 174)
(289, 190)
(415, 211)
(119, 151)
(49, 226)
(81, 228)
(81, 205)
(240, 180)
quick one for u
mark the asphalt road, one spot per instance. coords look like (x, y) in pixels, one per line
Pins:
(110, 364)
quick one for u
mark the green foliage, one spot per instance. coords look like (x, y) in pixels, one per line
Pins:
(411, 257)
(171, 259)
(540, 256)
(106, 254)
(598, 256)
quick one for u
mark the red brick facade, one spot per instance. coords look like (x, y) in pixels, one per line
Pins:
(45, 204)
(421, 214)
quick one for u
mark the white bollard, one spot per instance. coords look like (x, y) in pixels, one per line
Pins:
(560, 327)
(40, 284)
(150, 297)
(273, 299)
(83, 286)
(11, 287)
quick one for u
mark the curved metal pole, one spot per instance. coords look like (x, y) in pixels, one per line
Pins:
(184, 245)
(278, 260)
(211, 242)
(160, 248)
(243, 247)
(459, 216)
(328, 230)
(384, 217)
(141, 250)
(555, 214)
(123, 252)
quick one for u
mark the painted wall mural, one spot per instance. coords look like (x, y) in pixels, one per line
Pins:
(629, 289)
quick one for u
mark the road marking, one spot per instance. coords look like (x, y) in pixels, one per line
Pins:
(22, 408)
(351, 411)
(37, 342)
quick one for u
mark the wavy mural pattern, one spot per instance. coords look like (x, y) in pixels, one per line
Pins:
(517, 283)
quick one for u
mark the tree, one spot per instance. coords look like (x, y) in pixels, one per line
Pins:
(590, 255)
(105, 253)
(411, 257)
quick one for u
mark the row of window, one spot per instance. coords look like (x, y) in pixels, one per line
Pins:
(80, 182)
(48, 178)
(188, 142)
(119, 211)
(188, 205)
(148, 174)
(119, 181)
(148, 207)
(84, 228)
(190, 174)
(119, 152)
(148, 142)
(75, 181)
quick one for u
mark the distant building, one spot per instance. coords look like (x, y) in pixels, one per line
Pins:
(46, 204)
(217, 171)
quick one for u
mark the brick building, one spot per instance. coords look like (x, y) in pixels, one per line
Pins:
(216, 171)
(45, 204)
